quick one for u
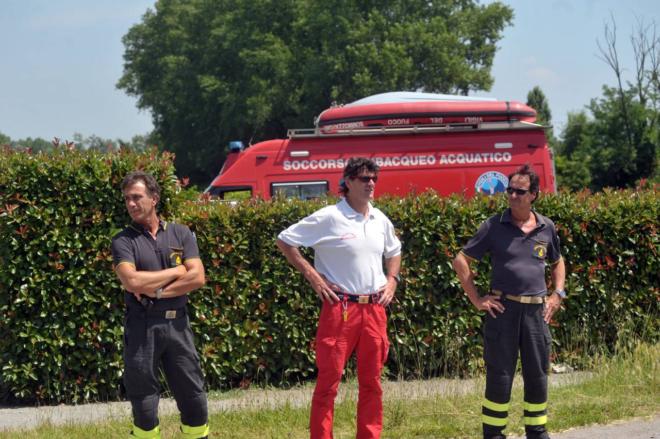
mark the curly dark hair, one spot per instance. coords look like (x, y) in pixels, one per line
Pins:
(153, 189)
(534, 180)
(354, 167)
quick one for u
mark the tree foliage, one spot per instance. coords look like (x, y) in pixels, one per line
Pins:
(213, 71)
(619, 142)
(537, 100)
(36, 144)
(138, 143)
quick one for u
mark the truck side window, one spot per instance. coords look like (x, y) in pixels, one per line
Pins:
(237, 195)
(231, 193)
(304, 190)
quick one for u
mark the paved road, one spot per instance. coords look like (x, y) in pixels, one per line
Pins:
(630, 429)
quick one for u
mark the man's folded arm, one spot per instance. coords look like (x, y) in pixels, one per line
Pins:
(146, 282)
(192, 279)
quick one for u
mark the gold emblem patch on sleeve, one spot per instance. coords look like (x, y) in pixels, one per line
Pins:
(176, 258)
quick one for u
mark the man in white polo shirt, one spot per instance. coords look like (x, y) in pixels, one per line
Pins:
(350, 240)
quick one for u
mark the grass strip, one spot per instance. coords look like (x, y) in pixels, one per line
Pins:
(621, 387)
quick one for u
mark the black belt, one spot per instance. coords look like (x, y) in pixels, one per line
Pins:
(168, 314)
(359, 298)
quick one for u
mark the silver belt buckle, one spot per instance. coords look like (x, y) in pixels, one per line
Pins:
(170, 314)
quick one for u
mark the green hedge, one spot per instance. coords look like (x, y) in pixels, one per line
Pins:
(61, 306)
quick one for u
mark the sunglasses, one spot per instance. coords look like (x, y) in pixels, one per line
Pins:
(510, 190)
(367, 178)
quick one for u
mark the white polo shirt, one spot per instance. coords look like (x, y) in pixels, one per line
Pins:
(348, 247)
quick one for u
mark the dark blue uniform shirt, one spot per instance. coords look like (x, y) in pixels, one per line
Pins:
(174, 244)
(518, 260)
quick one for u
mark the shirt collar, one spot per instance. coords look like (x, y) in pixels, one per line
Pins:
(162, 225)
(506, 218)
(349, 212)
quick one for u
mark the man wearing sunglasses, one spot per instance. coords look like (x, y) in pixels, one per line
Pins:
(521, 243)
(350, 240)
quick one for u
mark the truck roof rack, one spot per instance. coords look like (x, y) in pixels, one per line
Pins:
(297, 133)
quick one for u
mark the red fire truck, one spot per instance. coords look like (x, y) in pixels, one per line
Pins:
(421, 141)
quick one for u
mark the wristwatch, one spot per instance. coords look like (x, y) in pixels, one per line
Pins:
(159, 293)
(562, 293)
(397, 278)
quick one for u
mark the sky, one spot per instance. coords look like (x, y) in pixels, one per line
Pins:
(61, 61)
(554, 44)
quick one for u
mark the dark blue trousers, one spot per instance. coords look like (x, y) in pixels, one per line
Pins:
(151, 342)
(519, 329)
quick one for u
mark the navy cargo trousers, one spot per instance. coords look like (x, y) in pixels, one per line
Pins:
(519, 329)
(154, 339)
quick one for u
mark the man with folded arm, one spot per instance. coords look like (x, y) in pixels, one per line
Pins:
(158, 264)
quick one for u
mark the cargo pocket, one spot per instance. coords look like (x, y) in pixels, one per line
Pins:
(330, 321)
(491, 333)
(491, 345)
(325, 349)
(547, 338)
(188, 343)
(385, 350)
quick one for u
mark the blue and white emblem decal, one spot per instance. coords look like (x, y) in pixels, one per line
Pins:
(491, 182)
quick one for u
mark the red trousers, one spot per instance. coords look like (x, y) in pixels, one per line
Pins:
(365, 331)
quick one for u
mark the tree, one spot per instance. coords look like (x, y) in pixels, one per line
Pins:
(4, 139)
(620, 143)
(574, 153)
(214, 71)
(609, 149)
(138, 143)
(35, 145)
(536, 99)
(94, 143)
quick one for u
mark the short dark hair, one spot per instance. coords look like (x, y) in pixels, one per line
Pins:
(527, 170)
(153, 189)
(354, 167)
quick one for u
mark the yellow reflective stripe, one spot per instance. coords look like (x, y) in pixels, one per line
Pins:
(195, 432)
(497, 422)
(495, 406)
(537, 420)
(535, 407)
(139, 433)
